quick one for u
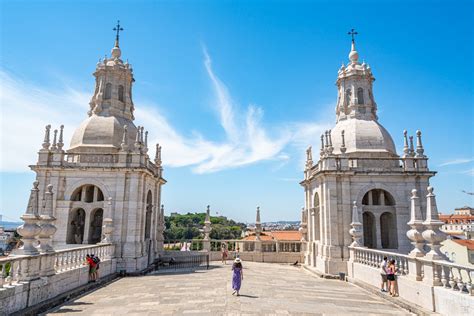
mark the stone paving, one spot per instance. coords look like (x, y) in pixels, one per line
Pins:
(267, 289)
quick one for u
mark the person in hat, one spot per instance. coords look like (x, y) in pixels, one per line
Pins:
(237, 276)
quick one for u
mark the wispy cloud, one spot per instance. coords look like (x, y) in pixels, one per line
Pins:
(26, 108)
(457, 161)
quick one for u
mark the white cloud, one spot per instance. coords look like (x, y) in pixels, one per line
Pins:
(26, 108)
(457, 161)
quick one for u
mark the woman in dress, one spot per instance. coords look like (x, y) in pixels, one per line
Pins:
(237, 276)
(392, 282)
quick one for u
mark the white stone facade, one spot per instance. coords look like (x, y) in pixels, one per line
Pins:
(358, 162)
(106, 188)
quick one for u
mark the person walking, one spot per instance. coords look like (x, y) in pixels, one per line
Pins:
(237, 276)
(224, 252)
(392, 282)
(383, 274)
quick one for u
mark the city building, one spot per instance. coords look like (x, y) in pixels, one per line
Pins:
(358, 163)
(460, 222)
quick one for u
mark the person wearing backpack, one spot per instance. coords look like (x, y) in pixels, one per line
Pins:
(92, 268)
(97, 265)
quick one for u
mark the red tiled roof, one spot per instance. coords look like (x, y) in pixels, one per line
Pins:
(469, 243)
(289, 235)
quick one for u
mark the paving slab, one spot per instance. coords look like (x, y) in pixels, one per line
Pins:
(267, 289)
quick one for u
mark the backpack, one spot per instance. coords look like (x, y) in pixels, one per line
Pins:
(96, 259)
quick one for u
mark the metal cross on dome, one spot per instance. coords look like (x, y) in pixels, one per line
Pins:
(118, 29)
(352, 33)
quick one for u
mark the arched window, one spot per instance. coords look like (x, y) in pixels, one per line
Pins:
(378, 197)
(120, 93)
(360, 96)
(108, 91)
(388, 231)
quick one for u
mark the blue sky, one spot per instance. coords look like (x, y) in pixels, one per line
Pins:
(236, 90)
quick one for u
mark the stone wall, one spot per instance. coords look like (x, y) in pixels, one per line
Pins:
(21, 295)
(270, 257)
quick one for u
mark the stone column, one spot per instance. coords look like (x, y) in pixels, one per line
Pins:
(258, 231)
(416, 224)
(47, 227)
(206, 244)
(433, 235)
(30, 229)
(160, 229)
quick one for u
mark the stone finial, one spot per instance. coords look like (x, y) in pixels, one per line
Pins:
(54, 146)
(137, 139)
(141, 134)
(343, 143)
(412, 150)
(258, 224)
(356, 227)
(326, 137)
(145, 146)
(330, 148)
(207, 223)
(432, 234)
(406, 149)
(419, 146)
(124, 144)
(30, 229)
(46, 142)
(416, 224)
(321, 152)
(158, 155)
(46, 223)
(107, 227)
(309, 157)
(61, 138)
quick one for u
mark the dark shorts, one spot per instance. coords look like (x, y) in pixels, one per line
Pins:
(384, 277)
(391, 277)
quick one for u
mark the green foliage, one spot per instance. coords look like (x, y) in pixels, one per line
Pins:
(188, 226)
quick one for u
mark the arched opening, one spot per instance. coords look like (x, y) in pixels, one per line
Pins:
(380, 204)
(368, 222)
(75, 231)
(87, 194)
(360, 96)
(388, 231)
(108, 91)
(149, 209)
(95, 228)
(317, 221)
(378, 197)
(120, 93)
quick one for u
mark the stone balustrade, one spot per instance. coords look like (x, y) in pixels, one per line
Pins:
(28, 280)
(436, 285)
(15, 269)
(250, 250)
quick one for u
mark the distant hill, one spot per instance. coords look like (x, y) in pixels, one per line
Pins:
(188, 226)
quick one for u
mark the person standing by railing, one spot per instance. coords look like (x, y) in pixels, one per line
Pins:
(392, 282)
(383, 274)
(237, 276)
(92, 268)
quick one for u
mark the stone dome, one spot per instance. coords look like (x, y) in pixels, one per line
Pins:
(362, 136)
(102, 134)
